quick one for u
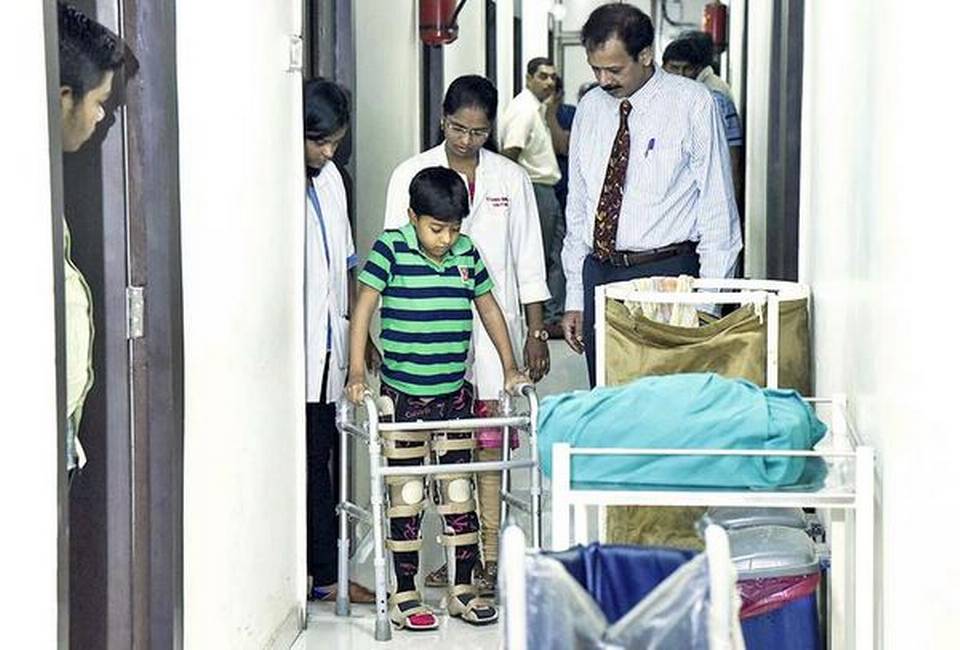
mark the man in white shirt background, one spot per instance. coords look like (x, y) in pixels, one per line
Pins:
(329, 255)
(528, 130)
(651, 192)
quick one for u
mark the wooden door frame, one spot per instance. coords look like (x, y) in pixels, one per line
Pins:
(153, 188)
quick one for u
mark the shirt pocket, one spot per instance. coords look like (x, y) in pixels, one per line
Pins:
(657, 164)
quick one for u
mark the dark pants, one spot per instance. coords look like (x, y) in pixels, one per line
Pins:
(596, 273)
(408, 408)
(323, 489)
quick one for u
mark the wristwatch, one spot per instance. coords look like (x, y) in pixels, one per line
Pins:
(540, 335)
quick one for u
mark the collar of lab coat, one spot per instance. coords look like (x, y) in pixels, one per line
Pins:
(439, 156)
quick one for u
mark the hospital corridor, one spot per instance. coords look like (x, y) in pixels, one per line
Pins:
(478, 324)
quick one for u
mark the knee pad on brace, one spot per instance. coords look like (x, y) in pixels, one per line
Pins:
(406, 496)
(454, 493)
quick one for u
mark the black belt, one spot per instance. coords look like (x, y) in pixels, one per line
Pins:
(636, 258)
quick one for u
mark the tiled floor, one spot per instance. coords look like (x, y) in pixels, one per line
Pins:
(326, 631)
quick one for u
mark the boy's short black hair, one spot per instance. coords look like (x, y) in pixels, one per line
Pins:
(440, 193)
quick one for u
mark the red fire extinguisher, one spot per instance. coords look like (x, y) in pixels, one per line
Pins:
(715, 24)
(438, 21)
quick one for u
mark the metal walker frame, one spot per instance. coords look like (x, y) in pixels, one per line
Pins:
(369, 432)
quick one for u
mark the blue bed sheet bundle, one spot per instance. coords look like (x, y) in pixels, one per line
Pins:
(684, 411)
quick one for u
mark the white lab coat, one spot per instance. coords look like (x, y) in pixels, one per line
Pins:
(326, 287)
(505, 228)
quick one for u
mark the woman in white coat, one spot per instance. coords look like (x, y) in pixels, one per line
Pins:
(505, 228)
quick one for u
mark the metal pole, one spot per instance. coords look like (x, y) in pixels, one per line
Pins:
(382, 631)
(535, 477)
(343, 544)
(506, 406)
(560, 540)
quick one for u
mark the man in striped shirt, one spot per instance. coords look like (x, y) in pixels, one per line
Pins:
(650, 187)
(429, 276)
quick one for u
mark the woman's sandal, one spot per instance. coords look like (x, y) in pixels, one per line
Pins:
(476, 610)
(416, 616)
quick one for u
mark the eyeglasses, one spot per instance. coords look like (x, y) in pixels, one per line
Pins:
(459, 129)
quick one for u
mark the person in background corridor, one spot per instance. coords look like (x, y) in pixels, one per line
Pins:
(690, 57)
(650, 186)
(329, 256)
(528, 133)
(504, 227)
(90, 55)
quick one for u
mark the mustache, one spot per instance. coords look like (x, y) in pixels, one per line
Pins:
(610, 89)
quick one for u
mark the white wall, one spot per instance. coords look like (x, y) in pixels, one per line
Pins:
(28, 481)
(504, 29)
(534, 38)
(242, 210)
(387, 119)
(759, 35)
(879, 228)
(467, 54)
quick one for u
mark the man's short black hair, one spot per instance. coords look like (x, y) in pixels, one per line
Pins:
(622, 21)
(440, 193)
(682, 50)
(703, 43)
(534, 63)
(88, 50)
(326, 108)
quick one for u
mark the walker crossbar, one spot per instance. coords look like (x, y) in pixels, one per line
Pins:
(369, 431)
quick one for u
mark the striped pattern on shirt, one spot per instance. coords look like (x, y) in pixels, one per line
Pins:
(731, 121)
(426, 316)
(678, 187)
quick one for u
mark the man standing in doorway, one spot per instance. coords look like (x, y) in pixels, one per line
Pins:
(90, 55)
(329, 257)
(650, 186)
(528, 131)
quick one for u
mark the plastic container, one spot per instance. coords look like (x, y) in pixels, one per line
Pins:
(778, 570)
(735, 518)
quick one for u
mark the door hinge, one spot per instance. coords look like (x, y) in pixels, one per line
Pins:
(135, 306)
(295, 62)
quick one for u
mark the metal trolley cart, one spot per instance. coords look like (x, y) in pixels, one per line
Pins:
(364, 424)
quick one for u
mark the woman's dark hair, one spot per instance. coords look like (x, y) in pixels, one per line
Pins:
(326, 108)
(440, 193)
(622, 21)
(88, 50)
(471, 91)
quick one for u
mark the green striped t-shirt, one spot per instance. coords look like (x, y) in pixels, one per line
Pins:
(426, 318)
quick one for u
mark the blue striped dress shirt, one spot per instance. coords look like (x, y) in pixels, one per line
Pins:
(678, 187)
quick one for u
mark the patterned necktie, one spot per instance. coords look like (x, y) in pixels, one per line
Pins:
(611, 197)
